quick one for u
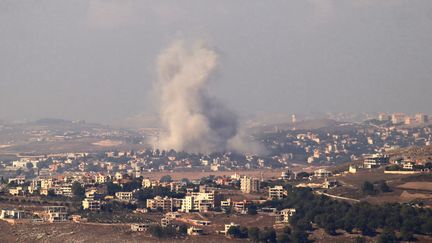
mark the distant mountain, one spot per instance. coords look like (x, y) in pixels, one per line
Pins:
(51, 121)
(311, 124)
(140, 121)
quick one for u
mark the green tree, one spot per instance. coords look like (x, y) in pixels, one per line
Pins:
(407, 235)
(166, 178)
(253, 234)
(156, 231)
(252, 209)
(368, 188)
(78, 190)
(234, 231)
(283, 238)
(360, 239)
(426, 228)
(112, 188)
(388, 236)
(29, 165)
(384, 187)
(51, 193)
(299, 236)
(268, 235)
(182, 229)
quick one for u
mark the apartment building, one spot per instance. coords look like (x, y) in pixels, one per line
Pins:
(249, 184)
(276, 192)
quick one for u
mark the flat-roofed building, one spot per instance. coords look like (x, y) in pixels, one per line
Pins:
(375, 161)
(276, 192)
(322, 173)
(249, 184)
(91, 204)
(195, 231)
(283, 216)
(141, 226)
(12, 214)
(56, 213)
(229, 226)
(124, 196)
(166, 203)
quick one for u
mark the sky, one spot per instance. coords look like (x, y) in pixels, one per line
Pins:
(95, 60)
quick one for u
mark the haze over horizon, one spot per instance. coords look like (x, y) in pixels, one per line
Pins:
(96, 60)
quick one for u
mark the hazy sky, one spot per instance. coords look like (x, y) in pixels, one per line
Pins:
(95, 60)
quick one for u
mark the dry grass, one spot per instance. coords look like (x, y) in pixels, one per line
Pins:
(423, 186)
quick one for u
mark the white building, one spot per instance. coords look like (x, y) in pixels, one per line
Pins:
(249, 185)
(124, 196)
(276, 192)
(322, 173)
(194, 231)
(283, 216)
(198, 201)
(16, 191)
(91, 204)
(141, 227)
(56, 213)
(12, 214)
(166, 204)
(375, 161)
(228, 226)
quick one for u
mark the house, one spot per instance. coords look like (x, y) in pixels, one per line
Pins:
(330, 184)
(124, 196)
(408, 165)
(166, 203)
(226, 203)
(91, 204)
(201, 222)
(64, 190)
(101, 178)
(249, 185)
(276, 192)
(322, 173)
(228, 226)
(375, 161)
(283, 216)
(352, 169)
(16, 191)
(141, 210)
(199, 201)
(17, 180)
(241, 206)
(12, 214)
(56, 214)
(195, 231)
(141, 226)
(165, 222)
(147, 183)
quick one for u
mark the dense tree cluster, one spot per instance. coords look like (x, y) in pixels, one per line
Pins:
(269, 235)
(370, 188)
(332, 215)
(78, 190)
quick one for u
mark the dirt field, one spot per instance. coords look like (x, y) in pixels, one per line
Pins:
(405, 188)
(360, 177)
(108, 143)
(423, 186)
(319, 236)
(74, 232)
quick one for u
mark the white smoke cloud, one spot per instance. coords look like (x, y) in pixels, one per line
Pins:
(191, 119)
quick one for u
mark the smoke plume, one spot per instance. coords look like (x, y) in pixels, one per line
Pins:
(192, 120)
